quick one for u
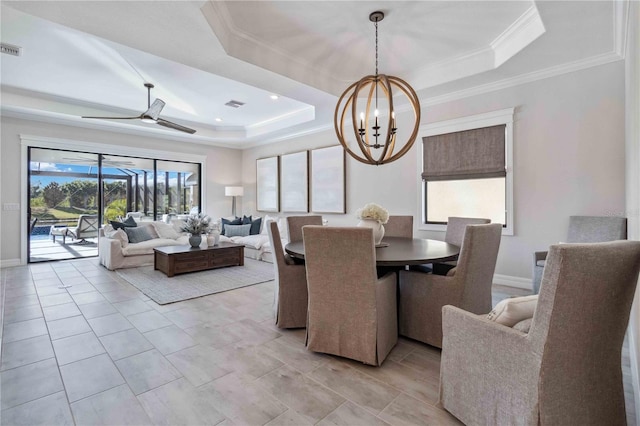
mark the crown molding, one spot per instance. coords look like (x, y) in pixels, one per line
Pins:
(506, 83)
(524, 30)
(620, 26)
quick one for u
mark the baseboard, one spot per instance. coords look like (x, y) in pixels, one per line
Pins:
(517, 282)
(10, 263)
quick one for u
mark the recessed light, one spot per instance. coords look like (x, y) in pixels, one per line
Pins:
(218, 119)
(274, 97)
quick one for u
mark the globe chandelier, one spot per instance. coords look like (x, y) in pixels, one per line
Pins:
(366, 108)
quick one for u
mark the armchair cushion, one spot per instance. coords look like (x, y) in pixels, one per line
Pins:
(511, 311)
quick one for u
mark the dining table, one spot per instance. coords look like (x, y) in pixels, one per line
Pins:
(396, 251)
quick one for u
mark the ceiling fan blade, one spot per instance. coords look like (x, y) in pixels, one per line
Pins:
(175, 126)
(114, 118)
(154, 110)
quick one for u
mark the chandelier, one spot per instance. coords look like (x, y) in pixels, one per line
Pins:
(366, 108)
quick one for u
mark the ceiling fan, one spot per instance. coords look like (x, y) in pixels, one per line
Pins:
(151, 115)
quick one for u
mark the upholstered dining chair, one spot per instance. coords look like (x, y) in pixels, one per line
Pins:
(583, 229)
(295, 224)
(351, 312)
(422, 296)
(566, 370)
(455, 235)
(399, 226)
(290, 295)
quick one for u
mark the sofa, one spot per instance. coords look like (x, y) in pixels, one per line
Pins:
(258, 246)
(116, 251)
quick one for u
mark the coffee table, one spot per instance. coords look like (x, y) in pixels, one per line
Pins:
(174, 260)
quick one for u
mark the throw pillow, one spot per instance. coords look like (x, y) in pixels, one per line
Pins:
(165, 231)
(266, 221)
(225, 222)
(246, 220)
(237, 230)
(256, 224)
(130, 222)
(138, 235)
(511, 311)
(119, 235)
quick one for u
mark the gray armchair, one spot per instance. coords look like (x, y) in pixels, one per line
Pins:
(399, 226)
(583, 229)
(422, 296)
(566, 370)
(295, 224)
(351, 313)
(290, 296)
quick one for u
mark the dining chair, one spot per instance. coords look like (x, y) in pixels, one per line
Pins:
(290, 295)
(583, 229)
(455, 235)
(422, 296)
(566, 370)
(399, 226)
(295, 224)
(351, 312)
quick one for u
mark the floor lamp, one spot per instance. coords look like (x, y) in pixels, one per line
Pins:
(233, 191)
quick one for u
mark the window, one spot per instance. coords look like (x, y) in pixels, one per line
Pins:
(465, 170)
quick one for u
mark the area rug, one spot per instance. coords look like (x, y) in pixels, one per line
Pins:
(164, 290)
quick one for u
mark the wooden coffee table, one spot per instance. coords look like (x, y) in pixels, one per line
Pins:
(174, 260)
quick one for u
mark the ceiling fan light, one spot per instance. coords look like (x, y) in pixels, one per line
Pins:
(147, 119)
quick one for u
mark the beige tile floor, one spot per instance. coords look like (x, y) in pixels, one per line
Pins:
(100, 352)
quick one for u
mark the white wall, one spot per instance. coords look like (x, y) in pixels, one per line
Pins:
(569, 158)
(223, 167)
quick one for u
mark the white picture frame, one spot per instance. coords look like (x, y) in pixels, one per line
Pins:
(268, 184)
(328, 180)
(294, 182)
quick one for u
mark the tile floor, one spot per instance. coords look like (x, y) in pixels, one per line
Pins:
(100, 352)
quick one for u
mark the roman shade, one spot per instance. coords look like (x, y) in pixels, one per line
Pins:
(471, 154)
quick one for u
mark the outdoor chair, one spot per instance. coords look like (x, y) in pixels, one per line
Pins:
(87, 227)
(566, 370)
(583, 229)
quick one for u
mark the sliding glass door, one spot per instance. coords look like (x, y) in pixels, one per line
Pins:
(63, 193)
(72, 193)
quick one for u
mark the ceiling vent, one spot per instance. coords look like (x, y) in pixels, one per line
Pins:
(10, 49)
(234, 104)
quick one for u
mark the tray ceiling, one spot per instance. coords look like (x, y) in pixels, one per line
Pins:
(90, 58)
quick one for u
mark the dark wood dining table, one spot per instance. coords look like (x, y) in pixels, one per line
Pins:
(399, 251)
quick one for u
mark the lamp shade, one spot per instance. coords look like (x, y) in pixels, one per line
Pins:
(233, 191)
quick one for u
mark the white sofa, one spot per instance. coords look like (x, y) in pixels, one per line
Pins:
(258, 246)
(115, 253)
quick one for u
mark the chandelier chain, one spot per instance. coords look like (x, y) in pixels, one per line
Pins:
(376, 25)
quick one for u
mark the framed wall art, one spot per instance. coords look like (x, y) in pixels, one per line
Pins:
(268, 184)
(328, 188)
(294, 182)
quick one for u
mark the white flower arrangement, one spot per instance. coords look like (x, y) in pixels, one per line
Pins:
(373, 211)
(197, 224)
